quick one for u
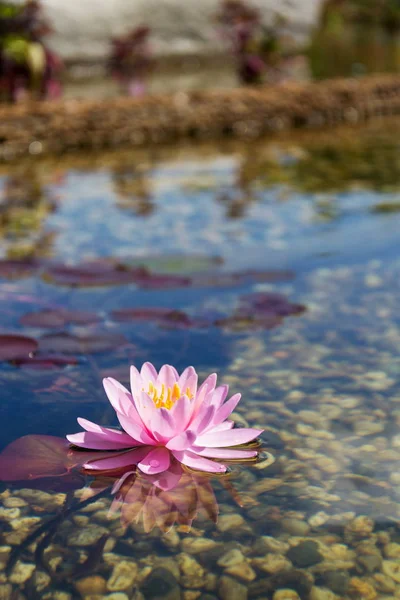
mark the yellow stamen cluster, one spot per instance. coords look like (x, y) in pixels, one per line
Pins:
(166, 397)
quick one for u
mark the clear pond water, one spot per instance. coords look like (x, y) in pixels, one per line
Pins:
(166, 251)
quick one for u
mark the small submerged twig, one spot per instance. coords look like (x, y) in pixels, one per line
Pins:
(49, 528)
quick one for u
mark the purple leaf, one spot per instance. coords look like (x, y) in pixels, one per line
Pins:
(15, 269)
(45, 362)
(66, 343)
(58, 318)
(37, 456)
(16, 346)
(97, 273)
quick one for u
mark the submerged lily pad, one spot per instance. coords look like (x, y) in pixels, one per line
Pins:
(177, 263)
(66, 343)
(16, 346)
(166, 317)
(96, 273)
(45, 362)
(16, 269)
(58, 318)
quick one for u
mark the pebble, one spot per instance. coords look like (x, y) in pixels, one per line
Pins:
(242, 570)
(123, 576)
(41, 580)
(384, 583)
(373, 281)
(161, 584)
(87, 536)
(231, 589)
(191, 594)
(8, 514)
(321, 593)
(116, 596)
(21, 572)
(295, 527)
(25, 523)
(14, 502)
(363, 428)
(266, 544)
(359, 589)
(192, 571)
(370, 562)
(231, 558)
(5, 591)
(285, 595)
(272, 563)
(196, 545)
(392, 569)
(359, 527)
(392, 550)
(91, 585)
(227, 522)
(318, 519)
(305, 554)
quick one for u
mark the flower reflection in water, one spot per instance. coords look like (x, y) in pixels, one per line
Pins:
(175, 496)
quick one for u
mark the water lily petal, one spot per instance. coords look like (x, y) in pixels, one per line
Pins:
(226, 409)
(222, 439)
(112, 434)
(156, 461)
(118, 395)
(145, 407)
(198, 462)
(137, 432)
(181, 441)
(203, 419)
(225, 426)
(219, 395)
(226, 453)
(181, 413)
(118, 461)
(148, 373)
(167, 376)
(188, 379)
(162, 424)
(94, 441)
(137, 384)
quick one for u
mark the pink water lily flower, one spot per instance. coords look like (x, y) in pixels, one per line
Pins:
(167, 416)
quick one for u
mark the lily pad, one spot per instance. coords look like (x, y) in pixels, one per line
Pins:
(16, 346)
(66, 343)
(16, 269)
(46, 362)
(177, 263)
(58, 318)
(37, 456)
(97, 273)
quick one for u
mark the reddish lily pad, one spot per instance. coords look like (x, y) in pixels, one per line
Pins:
(66, 343)
(16, 346)
(38, 456)
(58, 318)
(45, 362)
(16, 269)
(269, 304)
(97, 273)
(165, 317)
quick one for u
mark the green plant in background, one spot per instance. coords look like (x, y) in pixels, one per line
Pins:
(27, 66)
(355, 37)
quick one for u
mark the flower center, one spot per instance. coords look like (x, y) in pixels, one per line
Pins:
(166, 397)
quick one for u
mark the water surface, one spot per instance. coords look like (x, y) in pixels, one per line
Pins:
(313, 218)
